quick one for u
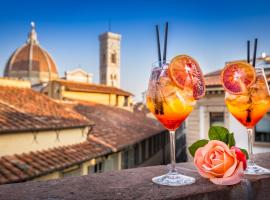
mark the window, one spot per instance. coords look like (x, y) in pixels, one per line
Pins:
(136, 154)
(126, 101)
(143, 151)
(97, 168)
(125, 159)
(262, 129)
(163, 139)
(150, 144)
(158, 142)
(117, 100)
(216, 119)
(112, 82)
(72, 171)
(103, 76)
(104, 58)
(155, 143)
(113, 58)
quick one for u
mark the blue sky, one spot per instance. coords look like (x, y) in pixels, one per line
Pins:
(210, 31)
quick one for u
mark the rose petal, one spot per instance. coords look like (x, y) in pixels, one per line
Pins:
(231, 164)
(221, 146)
(216, 171)
(219, 155)
(210, 145)
(216, 161)
(199, 161)
(234, 179)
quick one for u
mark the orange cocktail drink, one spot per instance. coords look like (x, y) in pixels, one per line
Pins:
(172, 93)
(248, 100)
(168, 103)
(247, 113)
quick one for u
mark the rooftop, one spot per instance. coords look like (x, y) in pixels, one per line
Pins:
(26, 166)
(31, 110)
(22, 109)
(115, 127)
(90, 87)
(136, 184)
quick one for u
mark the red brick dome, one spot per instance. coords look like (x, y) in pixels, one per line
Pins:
(31, 62)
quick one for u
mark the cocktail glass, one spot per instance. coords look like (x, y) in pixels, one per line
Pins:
(248, 109)
(171, 106)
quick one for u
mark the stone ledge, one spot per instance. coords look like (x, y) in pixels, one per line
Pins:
(136, 184)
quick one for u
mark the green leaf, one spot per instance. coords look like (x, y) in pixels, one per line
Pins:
(231, 140)
(245, 152)
(193, 148)
(218, 133)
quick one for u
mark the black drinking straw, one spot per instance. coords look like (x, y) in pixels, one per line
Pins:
(165, 43)
(255, 52)
(158, 45)
(248, 51)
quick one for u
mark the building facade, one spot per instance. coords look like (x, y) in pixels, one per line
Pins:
(79, 75)
(103, 94)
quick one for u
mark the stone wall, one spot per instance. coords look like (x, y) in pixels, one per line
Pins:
(136, 184)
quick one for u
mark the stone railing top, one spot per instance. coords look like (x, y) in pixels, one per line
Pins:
(136, 184)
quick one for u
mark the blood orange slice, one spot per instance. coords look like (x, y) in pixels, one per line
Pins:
(186, 72)
(237, 77)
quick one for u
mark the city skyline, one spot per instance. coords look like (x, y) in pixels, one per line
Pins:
(211, 33)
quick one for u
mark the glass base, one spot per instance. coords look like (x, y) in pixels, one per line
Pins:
(253, 169)
(173, 179)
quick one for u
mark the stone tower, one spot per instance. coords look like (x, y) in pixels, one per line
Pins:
(109, 67)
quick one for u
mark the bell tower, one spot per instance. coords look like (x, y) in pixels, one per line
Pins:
(109, 63)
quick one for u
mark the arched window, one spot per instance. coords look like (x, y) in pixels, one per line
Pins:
(113, 58)
(112, 82)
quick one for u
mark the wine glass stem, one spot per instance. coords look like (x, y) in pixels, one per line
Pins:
(250, 146)
(172, 150)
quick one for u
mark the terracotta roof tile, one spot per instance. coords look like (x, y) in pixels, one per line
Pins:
(115, 127)
(11, 166)
(22, 109)
(26, 166)
(5, 173)
(87, 87)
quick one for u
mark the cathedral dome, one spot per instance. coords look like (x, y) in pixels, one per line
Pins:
(31, 62)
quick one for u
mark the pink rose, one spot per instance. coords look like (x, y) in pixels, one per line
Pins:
(218, 163)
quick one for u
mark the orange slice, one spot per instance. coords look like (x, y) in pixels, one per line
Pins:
(186, 72)
(237, 77)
